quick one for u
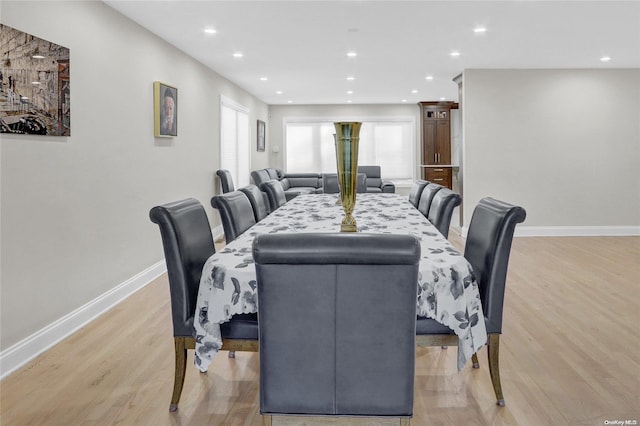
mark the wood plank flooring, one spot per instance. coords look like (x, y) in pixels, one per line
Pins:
(570, 355)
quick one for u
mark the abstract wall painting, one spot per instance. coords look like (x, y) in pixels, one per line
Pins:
(34, 85)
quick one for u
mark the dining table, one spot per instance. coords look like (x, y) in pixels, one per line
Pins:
(447, 289)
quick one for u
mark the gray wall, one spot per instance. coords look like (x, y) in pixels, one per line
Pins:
(74, 213)
(564, 144)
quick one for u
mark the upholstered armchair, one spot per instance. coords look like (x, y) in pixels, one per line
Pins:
(375, 183)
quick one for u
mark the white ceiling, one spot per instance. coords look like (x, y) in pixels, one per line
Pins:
(301, 46)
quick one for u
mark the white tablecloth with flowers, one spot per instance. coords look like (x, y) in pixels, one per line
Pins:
(447, 289)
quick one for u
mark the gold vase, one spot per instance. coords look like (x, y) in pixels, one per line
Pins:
(346, 138)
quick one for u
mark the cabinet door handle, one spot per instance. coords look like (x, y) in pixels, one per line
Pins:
(438, 180)
(438, 170)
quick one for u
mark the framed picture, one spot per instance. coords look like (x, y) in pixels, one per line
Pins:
(165, 110)
(260, 135)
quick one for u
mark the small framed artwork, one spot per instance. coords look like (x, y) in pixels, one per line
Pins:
(261, 135)
(165, 110)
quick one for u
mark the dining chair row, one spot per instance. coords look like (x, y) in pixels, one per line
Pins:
(187, 243)
(435, 202)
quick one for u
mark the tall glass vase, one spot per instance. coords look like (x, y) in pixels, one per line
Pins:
(347, 138)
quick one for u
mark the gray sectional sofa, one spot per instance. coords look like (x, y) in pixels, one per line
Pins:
(292, 183)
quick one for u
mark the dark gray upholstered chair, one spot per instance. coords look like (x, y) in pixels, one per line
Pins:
(361, 183)
(353, 298)
(416, 191)
(187, 242)
(275, 193)
(259, 201)
(427, 196)
(236, 213)
(226, 180)
(487, 249)
(441, 209)
(375, 183)
(330, 183)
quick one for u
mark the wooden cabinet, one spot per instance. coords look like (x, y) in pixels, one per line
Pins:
(436, 141)
(440, 175)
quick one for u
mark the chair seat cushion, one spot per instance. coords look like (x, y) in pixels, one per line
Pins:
(242, 326)
(426, 325)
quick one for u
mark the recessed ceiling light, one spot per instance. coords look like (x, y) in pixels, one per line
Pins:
(210, 31)
(605, 59)
(414, 91)
(349, 92)
(279, 92)
(404, 100)
(351, 78)
(442, 99)
(289, 101)
(479, 30)
(429, 77)
(455, 53)
(263, 79)
(352, 54)
(238, 55)
(349, 101)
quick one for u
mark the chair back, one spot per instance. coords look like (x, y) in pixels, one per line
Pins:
(330, 183)
(426, 197)
(187, 243)
(441, 209)
(361, 183)
(258, 177)
(236, 213)
(275, 193)
(416, 191)
(487, 249)
(259, 201)
(337, 323)
(226, 180)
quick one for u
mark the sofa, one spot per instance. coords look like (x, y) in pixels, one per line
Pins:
(374, 180)
(292, 183)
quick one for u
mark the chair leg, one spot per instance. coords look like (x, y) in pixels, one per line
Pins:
(266, 420)
(474, 361)
(405, 421)
(232, 354)
(181, 367)
(494, 367)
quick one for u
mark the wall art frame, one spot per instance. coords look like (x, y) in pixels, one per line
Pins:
(165, 110)
(35, 94)
(261, 135)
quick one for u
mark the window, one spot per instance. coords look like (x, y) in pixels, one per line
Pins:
(234, 141)
(389, 143)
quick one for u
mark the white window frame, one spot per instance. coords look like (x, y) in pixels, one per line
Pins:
(238, 176)
(372, 119)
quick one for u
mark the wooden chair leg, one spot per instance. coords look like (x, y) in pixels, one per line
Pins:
(181, 368)
(405, 421)
(232, 354)
(266, 420)
(494, 366)
(474, 361)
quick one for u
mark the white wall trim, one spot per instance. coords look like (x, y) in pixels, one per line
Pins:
(572, 231)
(22, 352)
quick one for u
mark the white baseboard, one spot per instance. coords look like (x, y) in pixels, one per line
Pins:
(19, 354)
(571, 231)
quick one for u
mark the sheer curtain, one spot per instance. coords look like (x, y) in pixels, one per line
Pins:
(310, 147)
(234, 141)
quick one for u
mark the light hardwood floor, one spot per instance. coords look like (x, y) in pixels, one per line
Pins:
(570, 355)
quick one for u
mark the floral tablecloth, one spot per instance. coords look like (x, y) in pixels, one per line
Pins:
(447, 290)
